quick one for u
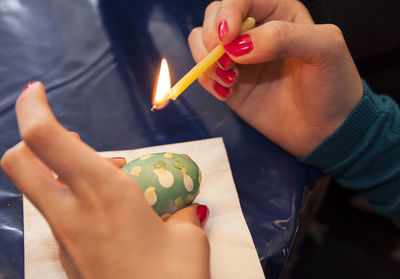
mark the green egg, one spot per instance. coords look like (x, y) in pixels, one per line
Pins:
(169, 181)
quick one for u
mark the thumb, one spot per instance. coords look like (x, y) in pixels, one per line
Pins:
(195, 213)
(274, 40)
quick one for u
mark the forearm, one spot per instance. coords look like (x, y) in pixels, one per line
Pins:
(364, 153)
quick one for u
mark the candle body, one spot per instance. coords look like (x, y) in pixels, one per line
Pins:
(205, 63)
(196, 71)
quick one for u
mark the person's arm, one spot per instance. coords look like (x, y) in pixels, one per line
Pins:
(296, 83)
(364, 153)
(104, 226)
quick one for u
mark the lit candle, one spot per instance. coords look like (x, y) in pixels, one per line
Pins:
(163, 87)
(197, 70)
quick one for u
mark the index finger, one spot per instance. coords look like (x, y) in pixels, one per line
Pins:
(232, 13)
(73, 160)
(229, 19)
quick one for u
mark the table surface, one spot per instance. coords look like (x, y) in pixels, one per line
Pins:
(98, 61)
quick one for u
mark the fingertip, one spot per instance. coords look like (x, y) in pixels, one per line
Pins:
(228, 30)
(229, 19)
(28, 85)
(240, 46)
(118, 161)
(209, 84)
(32, 87)
(195, 213)
(34, 116)
(225, 62)
(209, 34)
(202, 212)
(221, 91)
(222, 30)
(227, 77)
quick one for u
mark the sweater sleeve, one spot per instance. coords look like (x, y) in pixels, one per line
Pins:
(364, 153)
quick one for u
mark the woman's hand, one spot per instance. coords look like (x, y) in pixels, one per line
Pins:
(104, 226)
(294, 81)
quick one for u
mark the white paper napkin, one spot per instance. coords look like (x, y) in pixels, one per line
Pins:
(233, 254)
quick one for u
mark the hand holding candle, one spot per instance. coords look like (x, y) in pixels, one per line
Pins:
(163, 96)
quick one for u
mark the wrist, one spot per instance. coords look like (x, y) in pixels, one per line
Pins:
(347, 135)
(322, 121)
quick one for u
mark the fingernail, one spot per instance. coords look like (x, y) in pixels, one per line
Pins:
(221, 90)
(241, 46)
(224, 61)
(28, 84)
(121, 158)
(222, 30)
(201, 212)
(227, 76)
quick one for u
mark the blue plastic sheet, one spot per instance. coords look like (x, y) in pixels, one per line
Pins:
(98, 61)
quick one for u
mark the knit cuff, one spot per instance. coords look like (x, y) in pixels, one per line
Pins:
(345, 139)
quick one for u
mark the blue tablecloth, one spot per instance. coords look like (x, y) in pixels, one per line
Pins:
(98, 60)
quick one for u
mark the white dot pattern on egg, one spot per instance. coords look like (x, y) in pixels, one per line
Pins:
(169, 181)
(165, 178)
(145, 156)
(168, 155)
(136, 170)
(188, 182)
(150, 195)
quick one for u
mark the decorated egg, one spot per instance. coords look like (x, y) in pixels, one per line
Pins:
(169, 181)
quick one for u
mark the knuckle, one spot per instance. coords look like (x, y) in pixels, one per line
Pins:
(212, 6)
(36, 130)
(7, 160)
(10, 157)
(335, 33)
(336, 38)
(193, 35)
(278, 32)
(210, 38)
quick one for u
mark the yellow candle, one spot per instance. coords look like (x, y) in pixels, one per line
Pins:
(204, 64)
(200, 68)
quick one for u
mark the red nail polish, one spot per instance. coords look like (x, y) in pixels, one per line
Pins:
(28, 84)
(222, 30)
(227, 76)
(221, 90)
(224, 61)
(201, 212)
(122, 158)
(241, 46)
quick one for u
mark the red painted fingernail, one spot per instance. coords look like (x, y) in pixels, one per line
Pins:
(202, 212)
(122, 158)
(227, 76)
(221, 90)
(28, 84)
(222, 29)
(241, 46)
(224, 61)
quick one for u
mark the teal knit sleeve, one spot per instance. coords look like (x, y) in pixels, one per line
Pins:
(364, 153)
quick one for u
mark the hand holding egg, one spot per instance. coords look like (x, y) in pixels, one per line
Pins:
(100, 217)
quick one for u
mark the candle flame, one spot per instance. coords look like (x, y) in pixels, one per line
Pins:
(163, 86)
